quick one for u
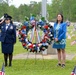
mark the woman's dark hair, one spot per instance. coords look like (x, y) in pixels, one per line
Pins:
(62, 18)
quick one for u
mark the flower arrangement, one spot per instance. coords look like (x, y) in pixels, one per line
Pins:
(35, 26)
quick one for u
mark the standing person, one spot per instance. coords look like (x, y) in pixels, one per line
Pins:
(8, 39)
(60, 39)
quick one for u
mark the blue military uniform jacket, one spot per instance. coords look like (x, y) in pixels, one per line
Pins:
(9, 35)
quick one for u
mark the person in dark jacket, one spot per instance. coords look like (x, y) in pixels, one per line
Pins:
(8, 39)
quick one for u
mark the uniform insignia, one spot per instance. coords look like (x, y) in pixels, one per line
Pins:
(11, 27)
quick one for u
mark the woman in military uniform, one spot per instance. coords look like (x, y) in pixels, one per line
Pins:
(8, 39)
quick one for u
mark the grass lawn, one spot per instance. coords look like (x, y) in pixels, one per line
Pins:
(39, 67)
(69, 48)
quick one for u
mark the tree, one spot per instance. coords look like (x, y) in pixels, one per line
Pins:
(7, 1)
(54, 8)
(3, 8)
(73, 10)
(67, 8)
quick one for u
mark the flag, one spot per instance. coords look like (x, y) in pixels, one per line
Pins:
(2, 72)
(74, 71)
(73, 42)
(69, 37)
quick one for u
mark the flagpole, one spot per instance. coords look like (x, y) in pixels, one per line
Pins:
(44, 9)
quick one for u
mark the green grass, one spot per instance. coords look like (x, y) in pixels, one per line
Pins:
(39, 67)
(18, 48)
(69, 48)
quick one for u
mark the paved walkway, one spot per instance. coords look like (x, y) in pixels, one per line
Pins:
(40, 56)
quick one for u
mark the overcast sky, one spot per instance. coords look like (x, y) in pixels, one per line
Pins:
(18, 2)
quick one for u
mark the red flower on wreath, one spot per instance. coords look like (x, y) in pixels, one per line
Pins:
(30, 46)
(24, 44)
(46, 26)
(23, 27)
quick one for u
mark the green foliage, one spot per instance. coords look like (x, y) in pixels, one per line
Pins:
(19, 13)
(66, 7)
(43, 18)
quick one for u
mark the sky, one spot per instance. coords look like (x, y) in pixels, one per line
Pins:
(18, 2)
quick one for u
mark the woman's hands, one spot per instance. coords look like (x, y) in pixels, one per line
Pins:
(56, 39)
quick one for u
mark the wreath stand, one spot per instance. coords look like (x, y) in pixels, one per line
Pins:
(36, 44)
